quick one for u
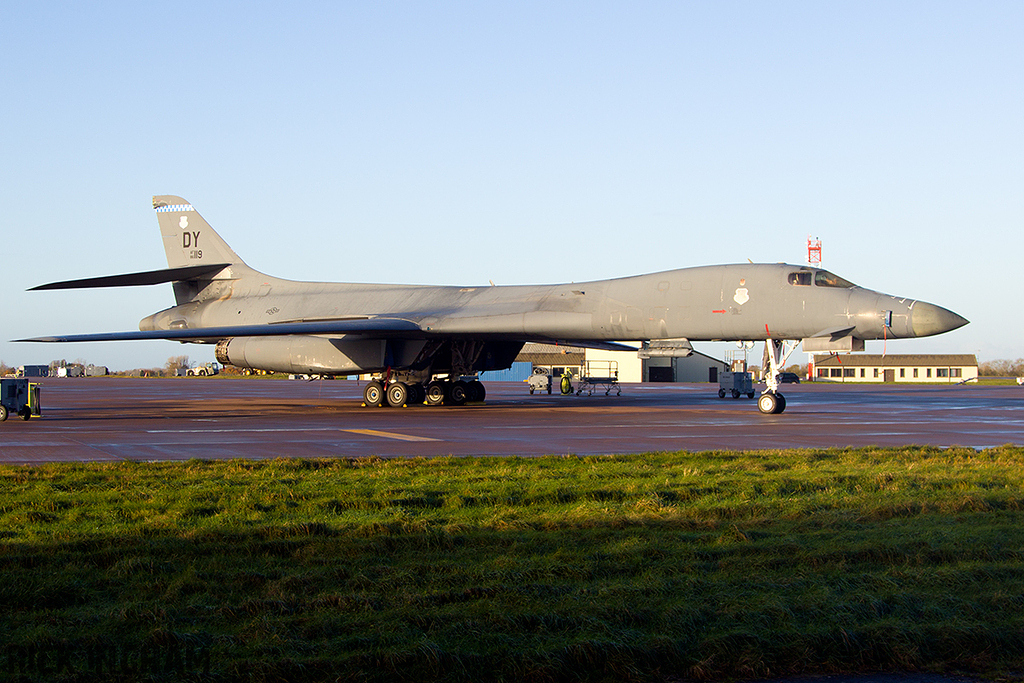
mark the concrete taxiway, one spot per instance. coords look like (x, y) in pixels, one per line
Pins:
(110, 419)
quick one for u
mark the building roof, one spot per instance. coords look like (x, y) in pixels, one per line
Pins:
(920, 360)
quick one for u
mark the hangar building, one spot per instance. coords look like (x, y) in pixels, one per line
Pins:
(696, 367)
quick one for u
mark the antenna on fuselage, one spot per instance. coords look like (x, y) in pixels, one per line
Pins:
(813, 252)
(814, 261)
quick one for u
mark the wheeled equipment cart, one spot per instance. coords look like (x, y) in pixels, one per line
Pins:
(19, 397)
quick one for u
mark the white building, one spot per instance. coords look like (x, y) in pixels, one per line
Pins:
(934, 368)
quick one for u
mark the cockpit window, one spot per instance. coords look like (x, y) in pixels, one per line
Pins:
(823, 278)
(801, 277)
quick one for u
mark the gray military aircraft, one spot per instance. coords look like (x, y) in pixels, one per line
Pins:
(427, 344)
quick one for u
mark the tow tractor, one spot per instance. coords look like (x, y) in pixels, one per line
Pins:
(540, 380)
(20, 397)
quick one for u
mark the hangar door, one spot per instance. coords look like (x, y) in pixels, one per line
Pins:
(661, 374)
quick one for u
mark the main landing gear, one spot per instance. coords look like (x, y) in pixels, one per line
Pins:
(776, 353)
(435, 393)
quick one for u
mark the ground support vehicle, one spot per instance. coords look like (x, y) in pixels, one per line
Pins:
(204, 370)
(19, 397)
(599, 373)
(539, 381)
(736, 384)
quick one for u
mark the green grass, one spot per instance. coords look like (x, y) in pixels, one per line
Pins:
(640, 567)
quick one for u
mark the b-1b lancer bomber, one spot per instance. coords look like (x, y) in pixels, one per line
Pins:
(426, 344)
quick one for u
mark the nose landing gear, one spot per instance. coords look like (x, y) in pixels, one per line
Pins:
(776, 353)
(771, 404)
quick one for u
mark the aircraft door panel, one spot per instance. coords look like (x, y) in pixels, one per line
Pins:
(634, 322)
(657, 323)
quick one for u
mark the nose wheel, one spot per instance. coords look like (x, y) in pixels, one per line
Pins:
(776, 353)
(771, 404)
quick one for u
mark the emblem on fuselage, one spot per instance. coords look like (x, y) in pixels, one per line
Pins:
(742, 296)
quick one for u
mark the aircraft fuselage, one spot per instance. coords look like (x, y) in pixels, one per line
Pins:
(727, 302)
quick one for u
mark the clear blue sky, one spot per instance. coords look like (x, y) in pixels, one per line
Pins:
(456, 143)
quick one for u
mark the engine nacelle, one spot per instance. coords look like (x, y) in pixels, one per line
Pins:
(303, 354)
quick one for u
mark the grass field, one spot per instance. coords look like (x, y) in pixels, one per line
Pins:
(641, 567)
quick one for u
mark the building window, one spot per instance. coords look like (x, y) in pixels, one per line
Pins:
(955, 372)
(876, 373)
(849, 372)
(903, 373)
(822, 372)
(862, 372)
(928, 373)
(837, 372)
(942, 372)
(915, 373)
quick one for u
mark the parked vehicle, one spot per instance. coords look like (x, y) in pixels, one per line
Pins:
(203, 370)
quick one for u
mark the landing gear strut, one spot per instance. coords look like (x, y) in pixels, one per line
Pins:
(399, 394)
(776, 353)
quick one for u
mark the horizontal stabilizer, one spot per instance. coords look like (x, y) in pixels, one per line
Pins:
(150, 277)
(373, 326)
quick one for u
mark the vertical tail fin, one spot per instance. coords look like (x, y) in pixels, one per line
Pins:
(188, 238)
(190, 241)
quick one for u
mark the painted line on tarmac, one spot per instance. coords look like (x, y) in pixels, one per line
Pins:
(389, 435)
(364, 432)
(241, 431)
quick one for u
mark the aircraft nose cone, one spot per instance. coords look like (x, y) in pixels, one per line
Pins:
(928, 319)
